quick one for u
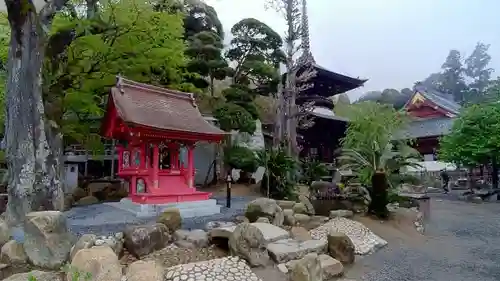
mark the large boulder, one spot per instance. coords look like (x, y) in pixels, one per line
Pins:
(285, 204)
(87, 200)
(4, 232)
(218, 224)
(299, 208)
(196, 238)
(289, 219)
(341, 213)
(265, 207)
(300, 233)
(144, 271)
(13, 253)
(309, 206)
(341, 247)
(85, 242)
(364, 240)
(307, 269)
(171, 218)
(145, 239)
(115, 242)
(47, 241)
(302, 219)
(331, 267)
(270, 232)
(290, 249)
(99, 262)
(78, 193)
(248, 243)
(36, 275)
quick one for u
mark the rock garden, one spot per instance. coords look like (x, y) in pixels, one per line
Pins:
(284, 236)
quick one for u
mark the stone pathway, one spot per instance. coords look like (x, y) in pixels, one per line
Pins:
(364, 240)
(462, 243)
(224, 269)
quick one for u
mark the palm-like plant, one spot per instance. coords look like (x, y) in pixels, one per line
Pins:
(379, 160)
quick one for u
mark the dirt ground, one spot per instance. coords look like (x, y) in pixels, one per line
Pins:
(245, 190)
(236, 190)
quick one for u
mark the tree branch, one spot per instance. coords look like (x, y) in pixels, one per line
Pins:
(48, 12)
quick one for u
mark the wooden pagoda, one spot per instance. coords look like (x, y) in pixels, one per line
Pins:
(151, 125)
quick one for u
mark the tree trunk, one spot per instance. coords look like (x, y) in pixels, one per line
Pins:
(288, 92)
(279, 117)
(378, 205)
(212, 86)
(33, 167)
(494, 172)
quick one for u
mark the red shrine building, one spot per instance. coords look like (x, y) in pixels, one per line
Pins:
(152, 125)
(432, 116)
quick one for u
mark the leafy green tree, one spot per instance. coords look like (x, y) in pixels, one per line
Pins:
(478, 70)
(79, 77)
(377, 162)
(234, 117)
(371, 122)
(205, 49)
(452, 80)
(368, 147)
(201, 17)
(280, 180)
(83, 55)
(4, 49)
(475, 138)
(256, 52)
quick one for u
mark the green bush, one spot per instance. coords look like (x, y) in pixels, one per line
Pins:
(281, 174)
(312, 170)
(242, 158)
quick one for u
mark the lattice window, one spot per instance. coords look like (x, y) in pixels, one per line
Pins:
(126, 159)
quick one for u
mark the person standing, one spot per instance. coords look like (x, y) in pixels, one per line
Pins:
(446, 180)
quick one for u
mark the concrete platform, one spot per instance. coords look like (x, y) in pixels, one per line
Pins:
(187, 209)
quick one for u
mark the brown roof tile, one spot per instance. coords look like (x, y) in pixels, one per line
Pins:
(159, 108)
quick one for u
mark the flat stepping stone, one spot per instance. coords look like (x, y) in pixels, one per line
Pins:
(270, 232)
(364, 240)
(286, 250)
(228, 268)
(331, 267)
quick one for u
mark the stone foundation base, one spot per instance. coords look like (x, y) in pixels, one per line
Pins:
(187, 209)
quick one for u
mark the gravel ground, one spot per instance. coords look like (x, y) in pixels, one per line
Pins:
(463, 244)
(102, 219)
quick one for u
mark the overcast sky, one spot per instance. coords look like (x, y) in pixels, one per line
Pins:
(393, 43)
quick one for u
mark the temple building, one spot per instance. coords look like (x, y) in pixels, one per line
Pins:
(432, 114)
(152, 127)
(321, 139)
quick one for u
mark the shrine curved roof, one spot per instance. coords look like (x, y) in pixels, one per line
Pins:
(159, 108)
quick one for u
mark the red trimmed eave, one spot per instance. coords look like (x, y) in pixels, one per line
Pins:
(109, 120)
(148, 132)
(414, 109)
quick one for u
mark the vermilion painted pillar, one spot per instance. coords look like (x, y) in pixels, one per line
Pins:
(174, 152)
(156, 165)
(190, 169)
(143, 156)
